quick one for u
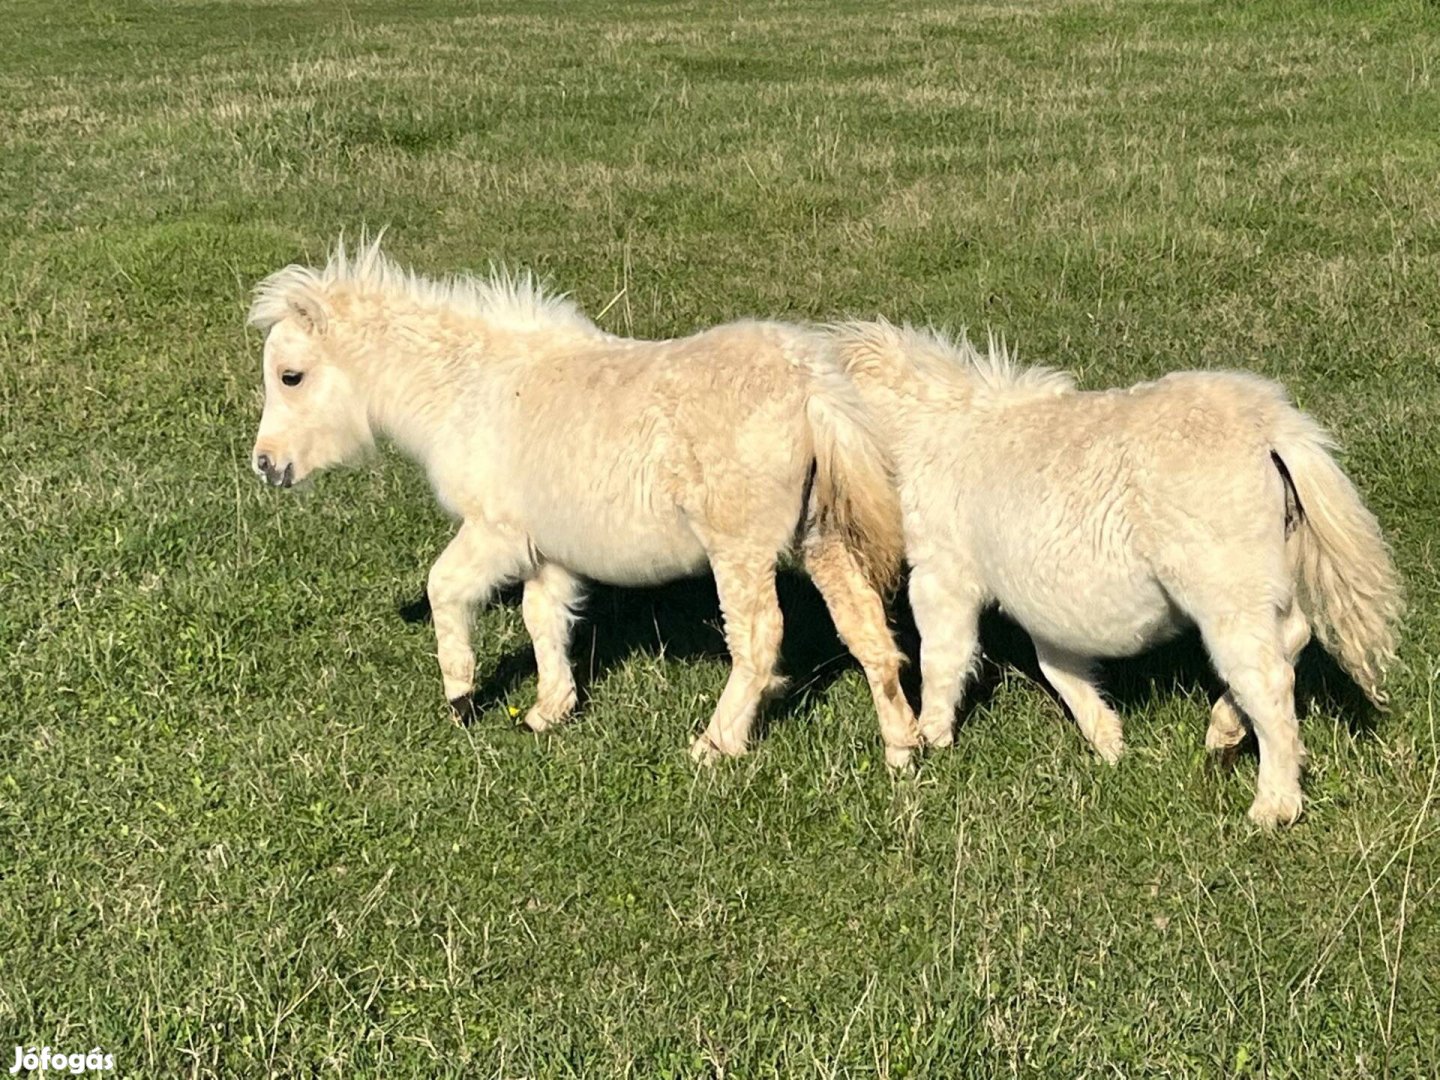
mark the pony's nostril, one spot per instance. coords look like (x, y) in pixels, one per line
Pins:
(262, 462)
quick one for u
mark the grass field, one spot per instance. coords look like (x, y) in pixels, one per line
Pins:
(239, 835)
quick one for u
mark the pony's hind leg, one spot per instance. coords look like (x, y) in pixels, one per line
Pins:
(1250, 655)
(1070, 677)
(476, 561)
(549, 609)
(859, 615)
(947, 614)
(753, 630)
(1227, 729)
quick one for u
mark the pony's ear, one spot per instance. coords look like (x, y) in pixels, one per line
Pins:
(310, 308)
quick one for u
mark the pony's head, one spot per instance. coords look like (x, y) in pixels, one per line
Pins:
(315, 414)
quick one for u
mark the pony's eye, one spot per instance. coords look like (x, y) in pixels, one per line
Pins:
(292, 378)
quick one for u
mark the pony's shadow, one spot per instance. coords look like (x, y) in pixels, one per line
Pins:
(679, 620)
(1182, 666)
(682, 620)
(1178, 667)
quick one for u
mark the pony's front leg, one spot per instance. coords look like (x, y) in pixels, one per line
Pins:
(947, 614)
(479, 558)
(549, 608)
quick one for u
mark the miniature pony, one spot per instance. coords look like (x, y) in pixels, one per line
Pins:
(568, 453)
(1104, 522)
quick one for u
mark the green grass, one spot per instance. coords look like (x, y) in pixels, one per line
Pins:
(238, 835)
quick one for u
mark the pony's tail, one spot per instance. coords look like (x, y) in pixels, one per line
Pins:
(1348, 586)
(853, 493)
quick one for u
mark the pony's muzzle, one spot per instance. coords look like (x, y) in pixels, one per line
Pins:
(270, 471)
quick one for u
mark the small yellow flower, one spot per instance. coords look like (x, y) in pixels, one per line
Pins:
(514, 712)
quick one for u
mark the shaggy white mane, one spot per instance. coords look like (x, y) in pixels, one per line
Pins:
(515, 300)
(937, 354)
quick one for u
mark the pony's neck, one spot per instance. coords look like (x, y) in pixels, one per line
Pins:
(416, 382)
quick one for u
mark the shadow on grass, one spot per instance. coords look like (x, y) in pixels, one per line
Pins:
(1181, 666)
(682, 620)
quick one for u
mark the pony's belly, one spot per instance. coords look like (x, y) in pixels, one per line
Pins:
(630, 552)
(1094, 618)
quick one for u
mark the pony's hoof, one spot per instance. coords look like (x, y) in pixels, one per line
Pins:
(707, 751)
(1110, 748)
(1220, 738)
(537, 721)
(938, 737)
(899, 758)
(549, 712)
(1272, 808)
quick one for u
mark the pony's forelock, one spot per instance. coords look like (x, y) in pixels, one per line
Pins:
(275, 296)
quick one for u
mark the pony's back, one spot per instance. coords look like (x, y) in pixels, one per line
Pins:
(925, 363)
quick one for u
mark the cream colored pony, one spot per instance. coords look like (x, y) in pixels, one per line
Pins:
(569, 453)
(1103, 522)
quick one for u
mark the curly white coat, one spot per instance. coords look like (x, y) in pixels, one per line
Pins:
(1105, 521)
(569, 453)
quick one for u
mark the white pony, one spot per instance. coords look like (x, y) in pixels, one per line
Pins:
(1103, 522)
(570, 453)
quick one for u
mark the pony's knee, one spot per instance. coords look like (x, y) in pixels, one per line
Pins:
(1295, 633)
(450, 583)
(1267, 692)
(754, 629)
(1278, 685)
(759, 646)
(769, 634)
(438, 585)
